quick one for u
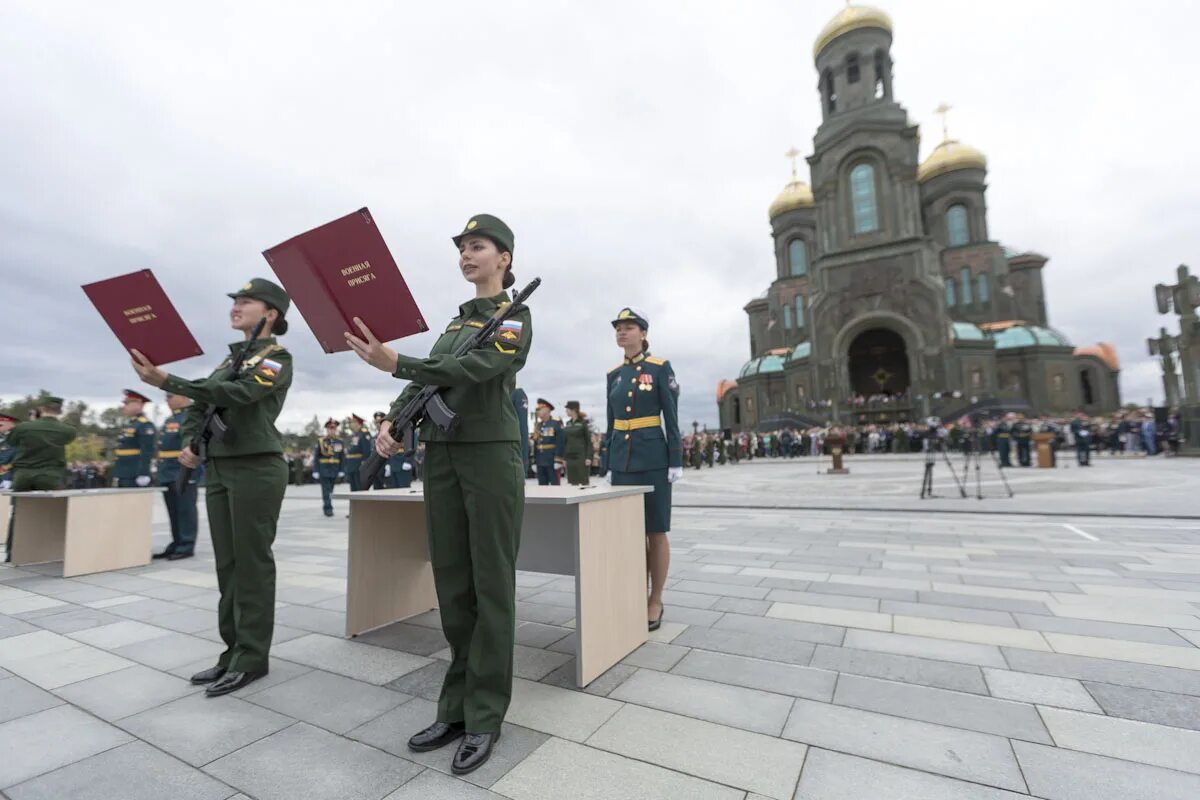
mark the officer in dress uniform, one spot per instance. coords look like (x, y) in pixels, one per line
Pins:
(1081, 429)
(329, 463)
(181, 505)
(520, 402)
(40, 461)
(1022, 433)
(577, 445)
(137, 443)
(246, 478)
(1003, 441)
(358, 448)
(474, 493)
(645, 448)
(550, 444)
(382, 476)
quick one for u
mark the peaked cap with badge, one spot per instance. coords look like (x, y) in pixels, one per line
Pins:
(490, 227)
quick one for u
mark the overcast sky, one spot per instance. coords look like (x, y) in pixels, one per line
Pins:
(634, 148)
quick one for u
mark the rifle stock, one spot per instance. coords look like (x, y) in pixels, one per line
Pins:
(428, 402)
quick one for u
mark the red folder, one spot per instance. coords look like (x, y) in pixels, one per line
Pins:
(141, 315)
(343, 270)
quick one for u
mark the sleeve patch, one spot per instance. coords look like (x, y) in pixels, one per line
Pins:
(510, 332)
(508, 351)
(260, 380)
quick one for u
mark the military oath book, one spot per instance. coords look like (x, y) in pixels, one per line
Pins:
(344, 270)
(139, 312)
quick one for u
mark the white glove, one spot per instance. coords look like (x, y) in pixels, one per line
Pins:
(387, 470)
(674, 474)
(5, 485)
(341, 474)
(608, 478)
(406, 467)
(316, 476)
(143, 480)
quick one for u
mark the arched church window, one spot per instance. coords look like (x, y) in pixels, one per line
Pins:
(956, 225)
(880, 69)
(828, 93)
(951, 294)
(1085, 387)
(787, 318)
(862, 196)
(983, 292)
(965, 279)
(800, 312)
(852, 70)
(797, 258)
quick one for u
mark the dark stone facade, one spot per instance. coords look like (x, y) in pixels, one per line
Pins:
(887, 283)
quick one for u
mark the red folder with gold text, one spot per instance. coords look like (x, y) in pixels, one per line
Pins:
(343, 270)
(139, 312)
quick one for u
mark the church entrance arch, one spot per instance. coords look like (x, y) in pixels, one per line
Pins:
(878, 363)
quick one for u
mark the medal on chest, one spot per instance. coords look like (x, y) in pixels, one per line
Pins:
(645, 382)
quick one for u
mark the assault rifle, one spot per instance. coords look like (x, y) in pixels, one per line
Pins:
(428, 402)
(213, 426)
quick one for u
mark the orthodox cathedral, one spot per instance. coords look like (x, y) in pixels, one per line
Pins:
(890, 300)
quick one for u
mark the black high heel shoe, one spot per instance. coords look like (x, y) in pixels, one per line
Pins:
(656, 624)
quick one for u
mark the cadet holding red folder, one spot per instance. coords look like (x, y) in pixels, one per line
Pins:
(474, 488)
(246, 477)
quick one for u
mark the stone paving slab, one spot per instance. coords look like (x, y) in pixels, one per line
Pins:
(838, 776)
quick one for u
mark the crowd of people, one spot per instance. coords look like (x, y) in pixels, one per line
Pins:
(1125, 433)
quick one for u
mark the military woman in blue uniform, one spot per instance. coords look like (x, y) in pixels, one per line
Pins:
(329, 464)
(181, 505)
(136, 446)
(551, 446)
(644, 446)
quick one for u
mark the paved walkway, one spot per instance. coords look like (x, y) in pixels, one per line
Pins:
(804, 654)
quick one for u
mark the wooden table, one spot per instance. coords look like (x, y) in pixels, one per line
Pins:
(89, 530)
(596, 534)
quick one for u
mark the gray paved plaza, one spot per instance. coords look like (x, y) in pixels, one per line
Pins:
(1032, 647)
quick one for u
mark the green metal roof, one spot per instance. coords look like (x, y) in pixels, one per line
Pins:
(762, 366)
(1028, 336)
(801, 352)
(965, 331)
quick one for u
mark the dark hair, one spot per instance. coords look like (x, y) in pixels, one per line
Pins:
(280, 326)
(509, 280)
(645, 345)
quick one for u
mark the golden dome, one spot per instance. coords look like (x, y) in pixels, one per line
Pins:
(949, 156)
(851, 18)
(1103, 351)
(796, 194)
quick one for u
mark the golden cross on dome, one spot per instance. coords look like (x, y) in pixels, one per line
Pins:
(944, 110)
(792, 153)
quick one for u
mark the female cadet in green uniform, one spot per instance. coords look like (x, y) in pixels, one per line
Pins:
(642, 449)
(474, 493)
(577, 434)
(246, 478)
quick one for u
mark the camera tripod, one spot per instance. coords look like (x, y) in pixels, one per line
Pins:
(974, 456)
(934, 446)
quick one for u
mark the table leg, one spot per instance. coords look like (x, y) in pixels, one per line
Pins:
(389, 576)
(610, 584)
(39, 529)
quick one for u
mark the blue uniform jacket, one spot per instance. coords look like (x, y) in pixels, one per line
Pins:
(135, 448)
(329, 457)
(169, 445)
(639, 391)
(550, 442)
(361, 445)
(7, 454)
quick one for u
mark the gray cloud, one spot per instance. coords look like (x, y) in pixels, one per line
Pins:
(634, 150)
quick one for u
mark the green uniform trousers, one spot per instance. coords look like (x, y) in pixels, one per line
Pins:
(474, 502)
(577, 472)
(243, 495)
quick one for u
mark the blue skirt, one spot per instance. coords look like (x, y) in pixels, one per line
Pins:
(658, 502)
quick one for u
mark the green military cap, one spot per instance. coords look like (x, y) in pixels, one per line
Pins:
(632, 315)
(52, 401)
(491, 227)
(269, 292)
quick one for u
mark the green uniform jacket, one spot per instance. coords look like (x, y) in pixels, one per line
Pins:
(135, 448)
(479, 385)
(251, 402)
(41, 447)
(578, 436)
(639, 390)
